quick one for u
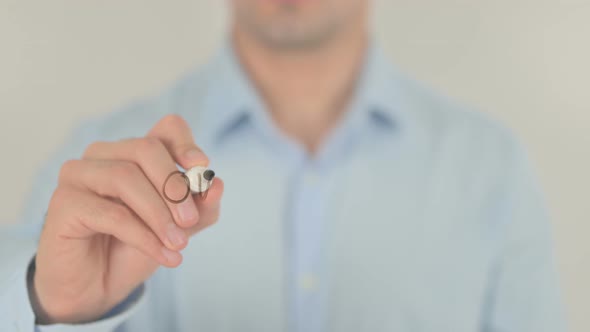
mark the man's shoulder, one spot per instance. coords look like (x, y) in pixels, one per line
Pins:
(460, 139)
(447, 121)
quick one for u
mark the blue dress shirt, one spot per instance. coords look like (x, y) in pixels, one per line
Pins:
(415, 215)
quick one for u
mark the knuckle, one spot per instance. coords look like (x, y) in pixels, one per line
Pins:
(124, 170)
(116, 214)
(97, 217)
(89, 215)
(173, 121)
(67, 169)
(149, 145)
(92, 149)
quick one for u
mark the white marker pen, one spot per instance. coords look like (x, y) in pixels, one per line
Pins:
(198, 181)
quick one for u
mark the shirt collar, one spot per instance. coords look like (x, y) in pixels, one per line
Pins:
(231, 100)
(377, 96)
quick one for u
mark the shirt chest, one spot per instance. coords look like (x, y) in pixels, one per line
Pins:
(394, 241)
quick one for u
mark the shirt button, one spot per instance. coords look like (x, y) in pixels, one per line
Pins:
(308, 282)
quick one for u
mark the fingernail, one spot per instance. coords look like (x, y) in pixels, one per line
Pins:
(187, 212)
(171, 256)
(176, 236)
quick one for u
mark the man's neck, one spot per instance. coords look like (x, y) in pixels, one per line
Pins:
(306, 91)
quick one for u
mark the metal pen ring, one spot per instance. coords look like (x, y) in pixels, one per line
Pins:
(188, 188)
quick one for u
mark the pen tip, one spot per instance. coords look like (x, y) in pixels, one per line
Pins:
(208, 175)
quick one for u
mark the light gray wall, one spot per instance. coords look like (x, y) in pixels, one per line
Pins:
(524, 61)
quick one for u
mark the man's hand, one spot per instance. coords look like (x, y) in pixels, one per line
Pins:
(108, 228)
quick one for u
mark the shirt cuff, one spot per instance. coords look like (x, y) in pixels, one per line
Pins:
(109, 322)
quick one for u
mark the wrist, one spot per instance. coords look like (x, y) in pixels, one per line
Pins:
(62, 311)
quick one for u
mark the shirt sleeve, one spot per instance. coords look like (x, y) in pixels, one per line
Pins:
(524, 295)
(109, 322)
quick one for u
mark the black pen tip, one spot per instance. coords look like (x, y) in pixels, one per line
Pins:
(208, 175)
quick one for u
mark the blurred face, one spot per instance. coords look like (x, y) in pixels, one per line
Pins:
(295, 24)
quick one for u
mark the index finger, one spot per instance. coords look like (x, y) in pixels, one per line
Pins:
(177, 137)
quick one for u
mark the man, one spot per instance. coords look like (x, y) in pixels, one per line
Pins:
(356, 200)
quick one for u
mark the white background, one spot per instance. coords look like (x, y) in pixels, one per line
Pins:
(525, 61)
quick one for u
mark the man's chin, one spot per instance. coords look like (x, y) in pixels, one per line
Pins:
(295, 36)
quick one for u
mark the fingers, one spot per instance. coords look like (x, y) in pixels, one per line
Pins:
(177, 136)
(100, 215)
(126, 182)
(170, 142)
(155, 161)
